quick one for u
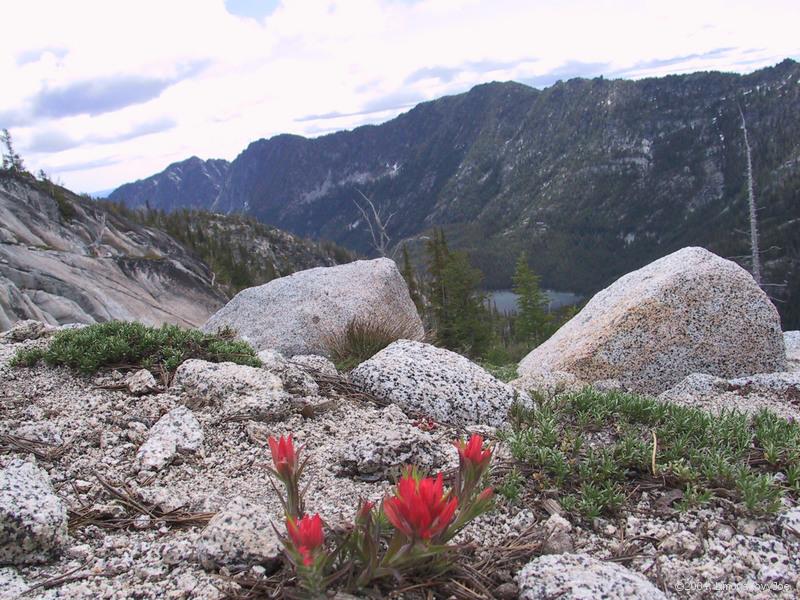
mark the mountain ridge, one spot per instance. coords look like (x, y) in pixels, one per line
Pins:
(590, 178)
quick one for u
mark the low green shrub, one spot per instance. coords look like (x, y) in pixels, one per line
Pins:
(596, 448)
(124, 345)
(361, 339)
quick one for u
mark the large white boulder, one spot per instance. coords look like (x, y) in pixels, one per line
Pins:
(295, 314)
(689, 312)
(437, 383)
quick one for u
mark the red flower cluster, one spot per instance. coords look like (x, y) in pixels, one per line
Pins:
(284, 456)
(306, 535)
(472, 452)
(419, 508)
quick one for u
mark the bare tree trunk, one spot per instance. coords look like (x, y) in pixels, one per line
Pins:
(377, 225)
(752, 201)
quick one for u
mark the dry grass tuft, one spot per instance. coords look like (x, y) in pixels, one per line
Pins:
(362, 338)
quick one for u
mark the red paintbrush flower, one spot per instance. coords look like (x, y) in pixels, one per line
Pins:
(284, 456)
(420, 508)
(472, 452)
(306, 535)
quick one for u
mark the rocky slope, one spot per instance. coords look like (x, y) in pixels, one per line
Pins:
(591, 178)
(63, 259)
(192, 182)
(116, 485)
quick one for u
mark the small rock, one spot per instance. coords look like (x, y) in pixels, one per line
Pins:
(294, 378)
(725, 532)
(26, 330)
(387, 445)
(79, 551)
(239, 536)
(177, 431)
(141, 382)
(506, 591)
(33, 520)
(683, 543)
(237, 389)
(43, 432)
(137, 432)
(558, 540)
(315, 363)
(177, 552)
(582, 577)
(142, 522)
(109, 511)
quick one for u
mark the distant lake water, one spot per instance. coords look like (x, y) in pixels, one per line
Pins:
(506, 300)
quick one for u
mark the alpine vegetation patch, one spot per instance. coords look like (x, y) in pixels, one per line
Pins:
(133, 346)
(596, 449)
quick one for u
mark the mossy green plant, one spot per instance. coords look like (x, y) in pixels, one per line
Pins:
(596, 447)
(130, 345)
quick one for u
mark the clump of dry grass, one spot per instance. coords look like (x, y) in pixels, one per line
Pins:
(362, 338)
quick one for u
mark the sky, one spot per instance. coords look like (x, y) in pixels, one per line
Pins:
(101, 92)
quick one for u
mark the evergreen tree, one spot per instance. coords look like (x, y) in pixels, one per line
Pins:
(533, 323)
(411, 281)
(457, 309)
(437, 294)
(11, 160)
(467, 326)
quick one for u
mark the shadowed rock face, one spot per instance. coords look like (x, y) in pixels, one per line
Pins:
(64, 259)
(688, 312)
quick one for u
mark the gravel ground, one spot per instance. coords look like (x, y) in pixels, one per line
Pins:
(709, 552)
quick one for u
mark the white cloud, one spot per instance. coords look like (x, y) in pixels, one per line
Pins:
(85, 81)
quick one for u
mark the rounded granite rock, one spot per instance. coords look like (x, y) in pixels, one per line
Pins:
(689, 312)
(437, 383)
(297, 314)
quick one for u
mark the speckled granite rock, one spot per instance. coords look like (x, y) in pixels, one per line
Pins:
(33, 520)
(43, 432)
(792, 341)
(315, 362)
(387, 445)
(28, 329)
(688, 312)
(581, 577)
(438, 383)
(11, 584)
(790, 522)
(295, 314)
(548, 383)
(178, 431)
(236, 389)
(295, 379)
(141, 382)
(777, 392)
(240, 535)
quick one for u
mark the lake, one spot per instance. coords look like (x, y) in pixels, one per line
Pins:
(506, 300)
